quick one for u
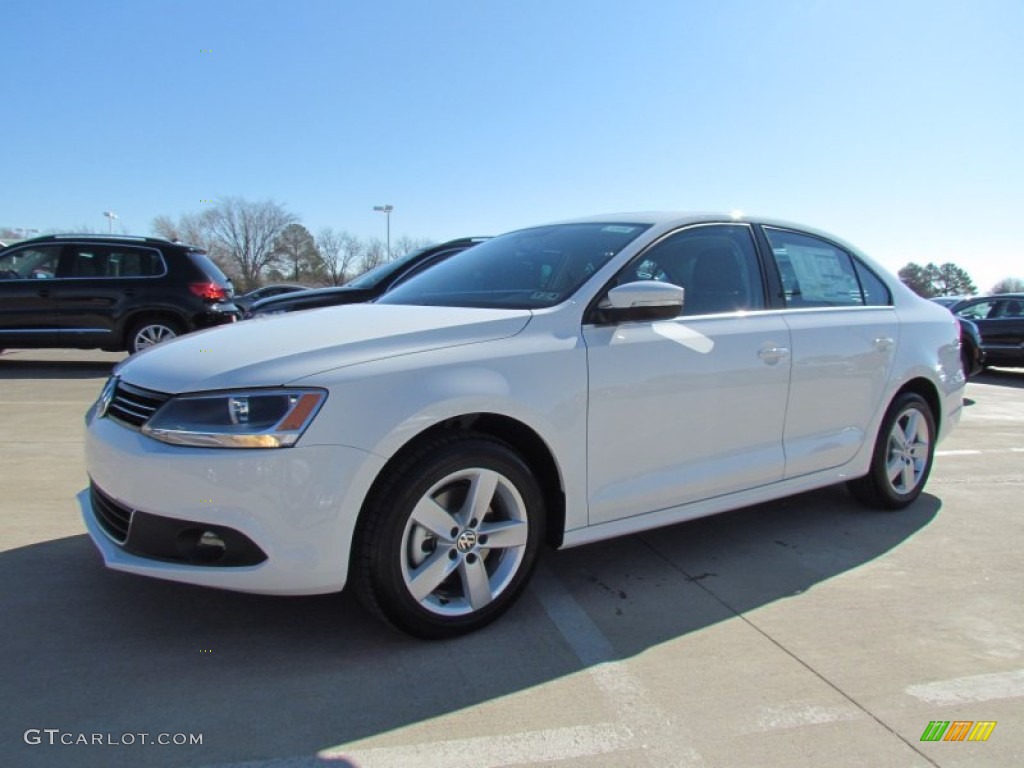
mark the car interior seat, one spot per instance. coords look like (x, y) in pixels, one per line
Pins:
(716, 284)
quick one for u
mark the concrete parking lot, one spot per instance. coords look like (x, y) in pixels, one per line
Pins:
(803, 632)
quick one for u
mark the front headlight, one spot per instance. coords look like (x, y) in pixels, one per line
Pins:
(244, 419)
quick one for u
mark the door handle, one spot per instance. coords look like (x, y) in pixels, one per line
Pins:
(44, 293)
(771, 355)
(884, 343)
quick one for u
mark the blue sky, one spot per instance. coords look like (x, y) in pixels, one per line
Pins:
(896, 125)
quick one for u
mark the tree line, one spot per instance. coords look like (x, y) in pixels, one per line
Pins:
(948, 279)
(260, 242)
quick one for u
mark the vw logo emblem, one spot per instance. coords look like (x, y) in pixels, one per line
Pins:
(105, 397)
(466, 540)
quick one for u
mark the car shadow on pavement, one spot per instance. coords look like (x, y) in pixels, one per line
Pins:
(87, 650)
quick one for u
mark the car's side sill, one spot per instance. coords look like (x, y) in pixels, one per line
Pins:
(696, 509)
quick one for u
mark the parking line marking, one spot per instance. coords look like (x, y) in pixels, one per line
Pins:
(990, 687)
(796, 714)
(976, 452)
(624, 691)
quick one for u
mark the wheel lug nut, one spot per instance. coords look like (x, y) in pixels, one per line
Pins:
(470, 558)
(483, 539)
(452, 554)
(455, 532)
(472, 523)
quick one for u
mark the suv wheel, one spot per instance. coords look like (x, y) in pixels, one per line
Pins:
(150, 332)
(448, 542)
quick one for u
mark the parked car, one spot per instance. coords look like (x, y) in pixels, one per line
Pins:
(1000, 321)
(948, 301)
(110, 292)
(367, 286)
(561, 384)
(246, 300)
(972, 356)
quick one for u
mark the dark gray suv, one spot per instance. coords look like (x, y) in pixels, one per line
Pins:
(108, 292)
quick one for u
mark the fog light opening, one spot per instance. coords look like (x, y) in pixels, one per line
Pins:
(210, 547)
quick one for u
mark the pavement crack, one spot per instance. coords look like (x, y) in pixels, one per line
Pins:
(699, 582)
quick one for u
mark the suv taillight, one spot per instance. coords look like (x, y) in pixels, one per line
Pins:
(210, 291)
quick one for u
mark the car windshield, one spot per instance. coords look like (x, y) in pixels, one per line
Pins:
(383, 271)
(527, 269)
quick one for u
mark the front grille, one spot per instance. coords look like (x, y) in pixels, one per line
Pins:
(113, 518)
(133, 405)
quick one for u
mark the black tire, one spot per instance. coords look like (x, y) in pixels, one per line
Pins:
(902, 459)
(393, 546)
(150, 331)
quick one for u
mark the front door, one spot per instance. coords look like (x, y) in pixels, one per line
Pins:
(690, 408)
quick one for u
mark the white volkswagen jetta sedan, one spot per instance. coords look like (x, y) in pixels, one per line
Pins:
(560, 384)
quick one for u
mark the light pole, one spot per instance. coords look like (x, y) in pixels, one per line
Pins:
(386, 210)
(110, 221)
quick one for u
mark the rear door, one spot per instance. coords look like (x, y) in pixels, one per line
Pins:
(97, 282)
(844, 333)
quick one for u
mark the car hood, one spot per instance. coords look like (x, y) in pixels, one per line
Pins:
(280, 349)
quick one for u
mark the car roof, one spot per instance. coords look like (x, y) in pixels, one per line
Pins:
(995, 296)
(98, 238)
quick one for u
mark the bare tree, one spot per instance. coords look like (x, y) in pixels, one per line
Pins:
(339, 252)
(406, 244)
(295, 246)
(375, 253)
(190, 228)
(196, 229)
(247, 232)
(1009, 285)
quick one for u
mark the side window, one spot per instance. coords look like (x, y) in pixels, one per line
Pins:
(31, 263)
(980, 310)
(814, 272)
(715, 264)
(89, 260)
(85, 261)
(132, 262)
(876, 293)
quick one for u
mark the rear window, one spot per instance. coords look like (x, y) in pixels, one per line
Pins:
(208, 267)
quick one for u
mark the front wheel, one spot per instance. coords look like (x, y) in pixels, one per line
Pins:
(448, 541)
(903, 455)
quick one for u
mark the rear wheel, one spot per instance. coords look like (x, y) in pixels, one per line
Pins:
(903, 455)
(448, 542)
(152, 331)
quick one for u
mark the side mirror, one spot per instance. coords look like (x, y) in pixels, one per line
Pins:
(643, 300)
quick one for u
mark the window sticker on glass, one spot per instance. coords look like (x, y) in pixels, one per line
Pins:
(618, 229)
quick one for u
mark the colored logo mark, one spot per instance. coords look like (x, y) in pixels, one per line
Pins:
(958, 730)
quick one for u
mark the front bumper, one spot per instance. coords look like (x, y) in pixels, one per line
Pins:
(296, 506)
